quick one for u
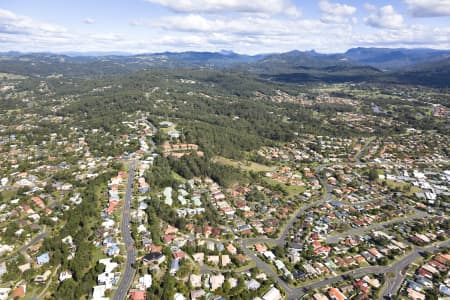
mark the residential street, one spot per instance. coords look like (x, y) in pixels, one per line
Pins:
(33, 241)
(358, 231)
(393, 284)
(128, 275)
(225, 150)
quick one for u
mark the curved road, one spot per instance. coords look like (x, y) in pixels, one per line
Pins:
(33, 241)
(397, 268)
(335, 238)
(393, 284)
(128, 275)
(292, 293)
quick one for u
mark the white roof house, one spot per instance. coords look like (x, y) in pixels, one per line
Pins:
(64, 275)
(99, 292)
(146, 281)
(4, 293)
(272, 294)
(109, 266)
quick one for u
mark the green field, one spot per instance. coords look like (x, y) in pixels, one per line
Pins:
(291, 189)
(247, 166)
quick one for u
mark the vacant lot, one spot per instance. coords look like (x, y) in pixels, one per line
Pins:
(247, 166)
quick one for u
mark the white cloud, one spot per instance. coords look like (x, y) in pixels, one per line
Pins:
(412, 37)
(242, 32)
(369, 6)
(89, 21)
(429, 8)
(262, 34)
(11, 23)
(251, 25)
(252, 33)
(219, 6)
(384, 17)
(336, 12)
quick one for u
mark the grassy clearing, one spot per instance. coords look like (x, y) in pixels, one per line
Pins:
(12, 76)
(178, 177)
(32, 292)
(97, 254)
(397, 185)
(167, 129)
(8, 195)
(246, 267)
(413, 190)
(247, 166)
(291, 189)
(295, 189)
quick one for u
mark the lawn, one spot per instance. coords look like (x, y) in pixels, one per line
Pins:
(167, 129)
(397, 185)
(97, 254)
(178, 177)
(291, 189)
(9, 194)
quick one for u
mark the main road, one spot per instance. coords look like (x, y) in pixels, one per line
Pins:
(128, 275)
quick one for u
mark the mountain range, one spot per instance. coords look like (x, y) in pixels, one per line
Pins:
(405, 66)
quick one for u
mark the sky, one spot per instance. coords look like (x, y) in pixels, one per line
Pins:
(243, 26)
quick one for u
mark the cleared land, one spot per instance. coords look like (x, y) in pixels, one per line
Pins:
(247, 166)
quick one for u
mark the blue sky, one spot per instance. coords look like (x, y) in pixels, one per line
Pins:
(250, 26)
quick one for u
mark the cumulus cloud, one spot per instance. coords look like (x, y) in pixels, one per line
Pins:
(11, 23)
(26, 34)
(244, 31)
(252, 33)
(249, 25)
(414, 36)
(336, 12)
(216, 6)
(429, 8)
(384, 17)
(89, 21)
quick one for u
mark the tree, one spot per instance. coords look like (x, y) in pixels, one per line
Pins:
(226, 287)
(373, 174)
(184, 270)
(279, 251)
(168, 285)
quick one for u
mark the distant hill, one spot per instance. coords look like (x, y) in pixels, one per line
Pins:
(44, 64)
(394, 59)
(298, 60)
(298, 66)
(433, 73)
(406, 66)
(203, 59)
(403, 66)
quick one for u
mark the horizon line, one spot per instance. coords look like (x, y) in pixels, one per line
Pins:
(223, 51)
